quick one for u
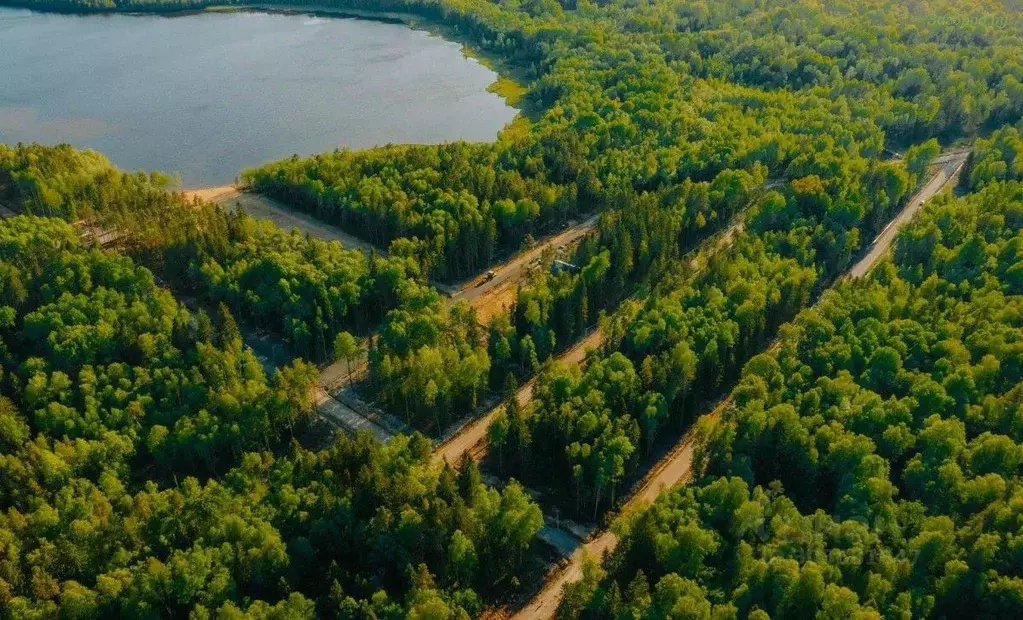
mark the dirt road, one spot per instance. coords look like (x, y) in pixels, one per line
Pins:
(949, 165)
(490, 296)
(677, 466)
(475, 432)
(264, 208)
(674, 469)
(487, 297)
(546, 604)
(332, 377)
(339, 373)
(471, 438)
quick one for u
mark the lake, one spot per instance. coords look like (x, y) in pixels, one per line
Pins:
(208, 94)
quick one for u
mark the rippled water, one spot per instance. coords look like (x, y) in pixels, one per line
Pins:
(208, 94)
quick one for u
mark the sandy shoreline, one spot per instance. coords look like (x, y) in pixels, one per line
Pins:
(213, 194)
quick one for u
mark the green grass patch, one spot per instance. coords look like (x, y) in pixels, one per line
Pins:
(512, 91)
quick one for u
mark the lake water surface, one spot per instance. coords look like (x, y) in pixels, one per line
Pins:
(206, 95)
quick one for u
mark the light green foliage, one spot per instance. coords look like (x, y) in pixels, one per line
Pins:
(633, 99)
(997, 158)
(871, 463)
(453, 207)
(306, 289)
(429, 362)
(869, 467)
(98, 355)
(138, 479)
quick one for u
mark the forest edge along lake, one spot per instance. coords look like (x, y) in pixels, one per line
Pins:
(206, 94)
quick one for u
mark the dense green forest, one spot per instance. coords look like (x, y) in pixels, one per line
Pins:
(101, 357)
(640, 97)
(668, 114)
(453, 206)
(867, 465)
(429, 363)
(997, 158)
(146, 471)
(668, 355)
(305, 289)
(870, 463)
